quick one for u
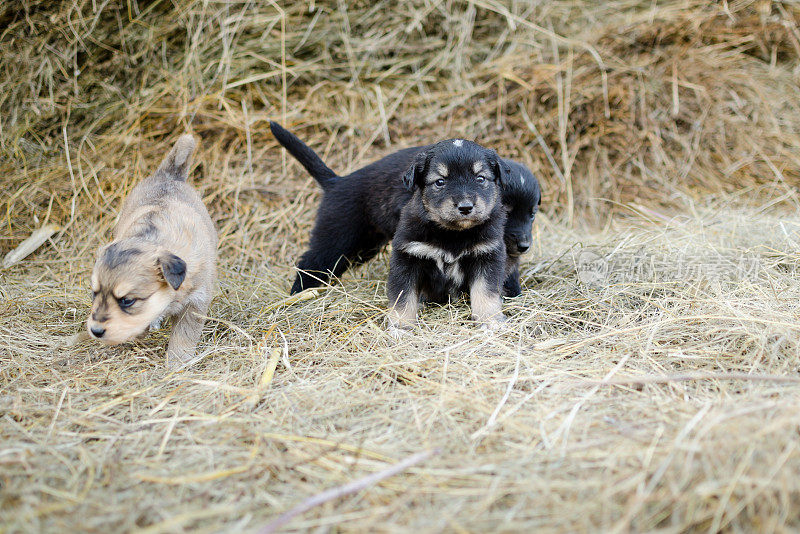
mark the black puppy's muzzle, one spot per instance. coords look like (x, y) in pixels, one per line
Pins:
(523, 246)
(465, 207)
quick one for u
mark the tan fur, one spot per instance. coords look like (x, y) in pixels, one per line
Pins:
(486, 304)
(163, 217)
(445, 213)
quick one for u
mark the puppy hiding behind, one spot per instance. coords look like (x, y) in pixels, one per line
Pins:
(359, 213)
(450, 233)
(161, 263)
(522, 198)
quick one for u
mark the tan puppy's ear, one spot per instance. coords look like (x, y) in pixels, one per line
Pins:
(176, 165)
(173, 268)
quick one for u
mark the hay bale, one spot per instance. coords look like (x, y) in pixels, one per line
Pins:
(647, 380)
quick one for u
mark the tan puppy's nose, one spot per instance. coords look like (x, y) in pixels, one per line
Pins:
(97, 331)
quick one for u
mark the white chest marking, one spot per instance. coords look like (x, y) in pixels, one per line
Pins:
(521, 179)
(458, 142)
(454, 273)
(426, 251)
(482, 248)
(446, 261)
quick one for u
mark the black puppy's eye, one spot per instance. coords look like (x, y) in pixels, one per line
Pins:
(125, 302)
(439, 182)
(481, 179)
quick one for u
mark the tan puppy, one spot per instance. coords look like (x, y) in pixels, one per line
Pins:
(162, 262)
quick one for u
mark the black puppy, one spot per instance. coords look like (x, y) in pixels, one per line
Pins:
(359, 213)
(522, 198)
(450, 233)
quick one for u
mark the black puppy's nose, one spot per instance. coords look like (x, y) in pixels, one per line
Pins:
(522, 247)
(98, 331)
(465, 207)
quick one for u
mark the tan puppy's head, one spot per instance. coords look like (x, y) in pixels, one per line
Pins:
(133, 284)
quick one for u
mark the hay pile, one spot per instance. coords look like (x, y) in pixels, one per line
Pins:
(649, 379)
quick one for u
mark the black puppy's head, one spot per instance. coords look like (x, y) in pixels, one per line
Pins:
(460, 182)
(521, 198)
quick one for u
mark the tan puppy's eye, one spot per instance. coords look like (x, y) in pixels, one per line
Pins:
(93, 294)
(126, 302)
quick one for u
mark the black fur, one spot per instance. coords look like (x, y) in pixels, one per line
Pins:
(432, 283)
(302, 153)
(450, 232)
(522, 198)
(114, 255)
(173, 268)
(359, 212)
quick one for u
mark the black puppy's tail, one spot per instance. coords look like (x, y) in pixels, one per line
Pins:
(302, 153)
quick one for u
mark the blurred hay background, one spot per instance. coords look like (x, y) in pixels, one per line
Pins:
(663, 132)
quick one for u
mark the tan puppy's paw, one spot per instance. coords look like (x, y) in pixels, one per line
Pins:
(176, 362)
(77, 339)
(155, 325)
(173, 364)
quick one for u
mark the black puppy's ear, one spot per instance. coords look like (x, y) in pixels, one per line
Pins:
(501, 169)
(416, 172)
(538, 190)
(173, 268)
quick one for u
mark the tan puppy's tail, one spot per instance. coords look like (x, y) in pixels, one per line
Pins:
(176, 165)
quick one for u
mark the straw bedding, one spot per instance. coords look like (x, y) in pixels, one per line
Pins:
(649, 376)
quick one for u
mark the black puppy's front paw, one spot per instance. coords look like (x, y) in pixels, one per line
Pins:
(511, 287)
(306, 280)
(297, 287)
